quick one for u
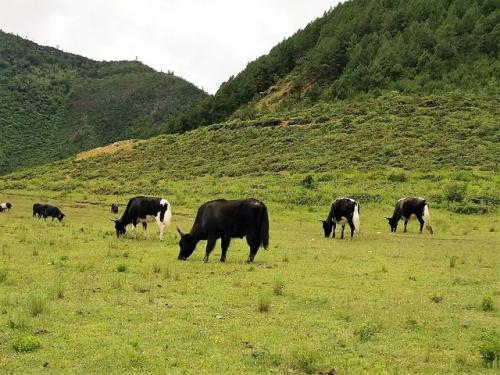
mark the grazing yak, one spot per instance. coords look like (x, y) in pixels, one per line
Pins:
(226, 219)
(407, 208)
(5, 206)
(46, 210)
(144, 210)
(343, 210)
(114, 208)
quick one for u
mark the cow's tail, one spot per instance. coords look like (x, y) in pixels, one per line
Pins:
(264, 228)
(355, 217)
(427, 219)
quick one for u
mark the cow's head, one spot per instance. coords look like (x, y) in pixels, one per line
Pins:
(187, 244)
(61, 216)
(9, 206)
(327, 226)
(393, 223)
(119, 227)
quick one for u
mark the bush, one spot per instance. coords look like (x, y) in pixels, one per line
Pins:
(455, 191)
(278, 286)
(490, 347)
(304, 361)
(308, 182)
(26, 344)
(397, 177)
(487, 304)
(121, 268)
(367, 331)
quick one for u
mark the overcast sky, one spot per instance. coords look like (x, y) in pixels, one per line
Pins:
(204, 41)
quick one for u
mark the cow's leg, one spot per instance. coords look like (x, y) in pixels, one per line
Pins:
(351, 225)
(210, 246)
(253, 252)
(333, 230)
(406, 223)
(225, 241)
(342, 234)
(421, 221)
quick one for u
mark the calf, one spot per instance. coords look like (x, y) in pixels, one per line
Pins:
(343, 210)
(226, 219)
(407, 208)
(114, 208)
(53, 212)
(5, 206)
(142, 210)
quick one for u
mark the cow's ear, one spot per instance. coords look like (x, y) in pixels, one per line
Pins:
(389, 218)
(180, 231)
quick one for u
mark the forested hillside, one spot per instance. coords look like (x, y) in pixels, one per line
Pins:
(367, 46)
(53, 104)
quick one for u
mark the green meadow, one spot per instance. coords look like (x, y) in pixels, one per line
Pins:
(75, 299)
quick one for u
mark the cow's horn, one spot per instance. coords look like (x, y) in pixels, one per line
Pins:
(180, 231)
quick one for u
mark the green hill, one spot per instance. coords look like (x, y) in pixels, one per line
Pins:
(53, 104)
(368, 46)
(442, 146)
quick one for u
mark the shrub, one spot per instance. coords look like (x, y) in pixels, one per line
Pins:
(121, 268)
(308, 182)
(397, 177)
(487, 304)
(26, 344)
(490, 347)
(455, 191)
(367, 331)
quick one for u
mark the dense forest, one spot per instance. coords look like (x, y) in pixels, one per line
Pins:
(53, 104)
(366, 46)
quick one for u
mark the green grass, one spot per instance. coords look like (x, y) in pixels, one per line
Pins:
(339, 309)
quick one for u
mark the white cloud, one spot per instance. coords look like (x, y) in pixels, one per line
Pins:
(202, 41)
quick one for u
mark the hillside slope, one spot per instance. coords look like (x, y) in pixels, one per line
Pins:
(377, 149)
(368, 46)
(53, 104)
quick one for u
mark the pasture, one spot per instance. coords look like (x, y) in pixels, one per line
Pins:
(75, 299)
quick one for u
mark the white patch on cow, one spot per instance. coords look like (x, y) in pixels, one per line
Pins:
(427, 219)
(355, 218)
(342, 220)
(167, 218)
(163, 202)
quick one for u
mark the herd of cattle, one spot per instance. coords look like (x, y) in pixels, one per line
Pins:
(227, 219)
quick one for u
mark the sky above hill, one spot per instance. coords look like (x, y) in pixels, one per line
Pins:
(203, 41)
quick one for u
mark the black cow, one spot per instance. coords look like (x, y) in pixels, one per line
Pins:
(227, 219)
(38, 209)
(5, 206)
(142, 210)
(343, 210)
(114, 208)
(53, 212)
(407, 208)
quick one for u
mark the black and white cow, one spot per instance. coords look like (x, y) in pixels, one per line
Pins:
(114, 208)
(226, 219)
(408, 208)
(53, 212)
(144, 210)
(5, 206)
(343, 210)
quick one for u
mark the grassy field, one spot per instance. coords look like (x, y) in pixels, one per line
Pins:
(74, 299)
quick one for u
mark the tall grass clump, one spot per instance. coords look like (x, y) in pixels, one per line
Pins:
(304, 361)
(263, 303)
(278, 286)
(3, 274)
(487, 304)
(37, 304)
(490, 348)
